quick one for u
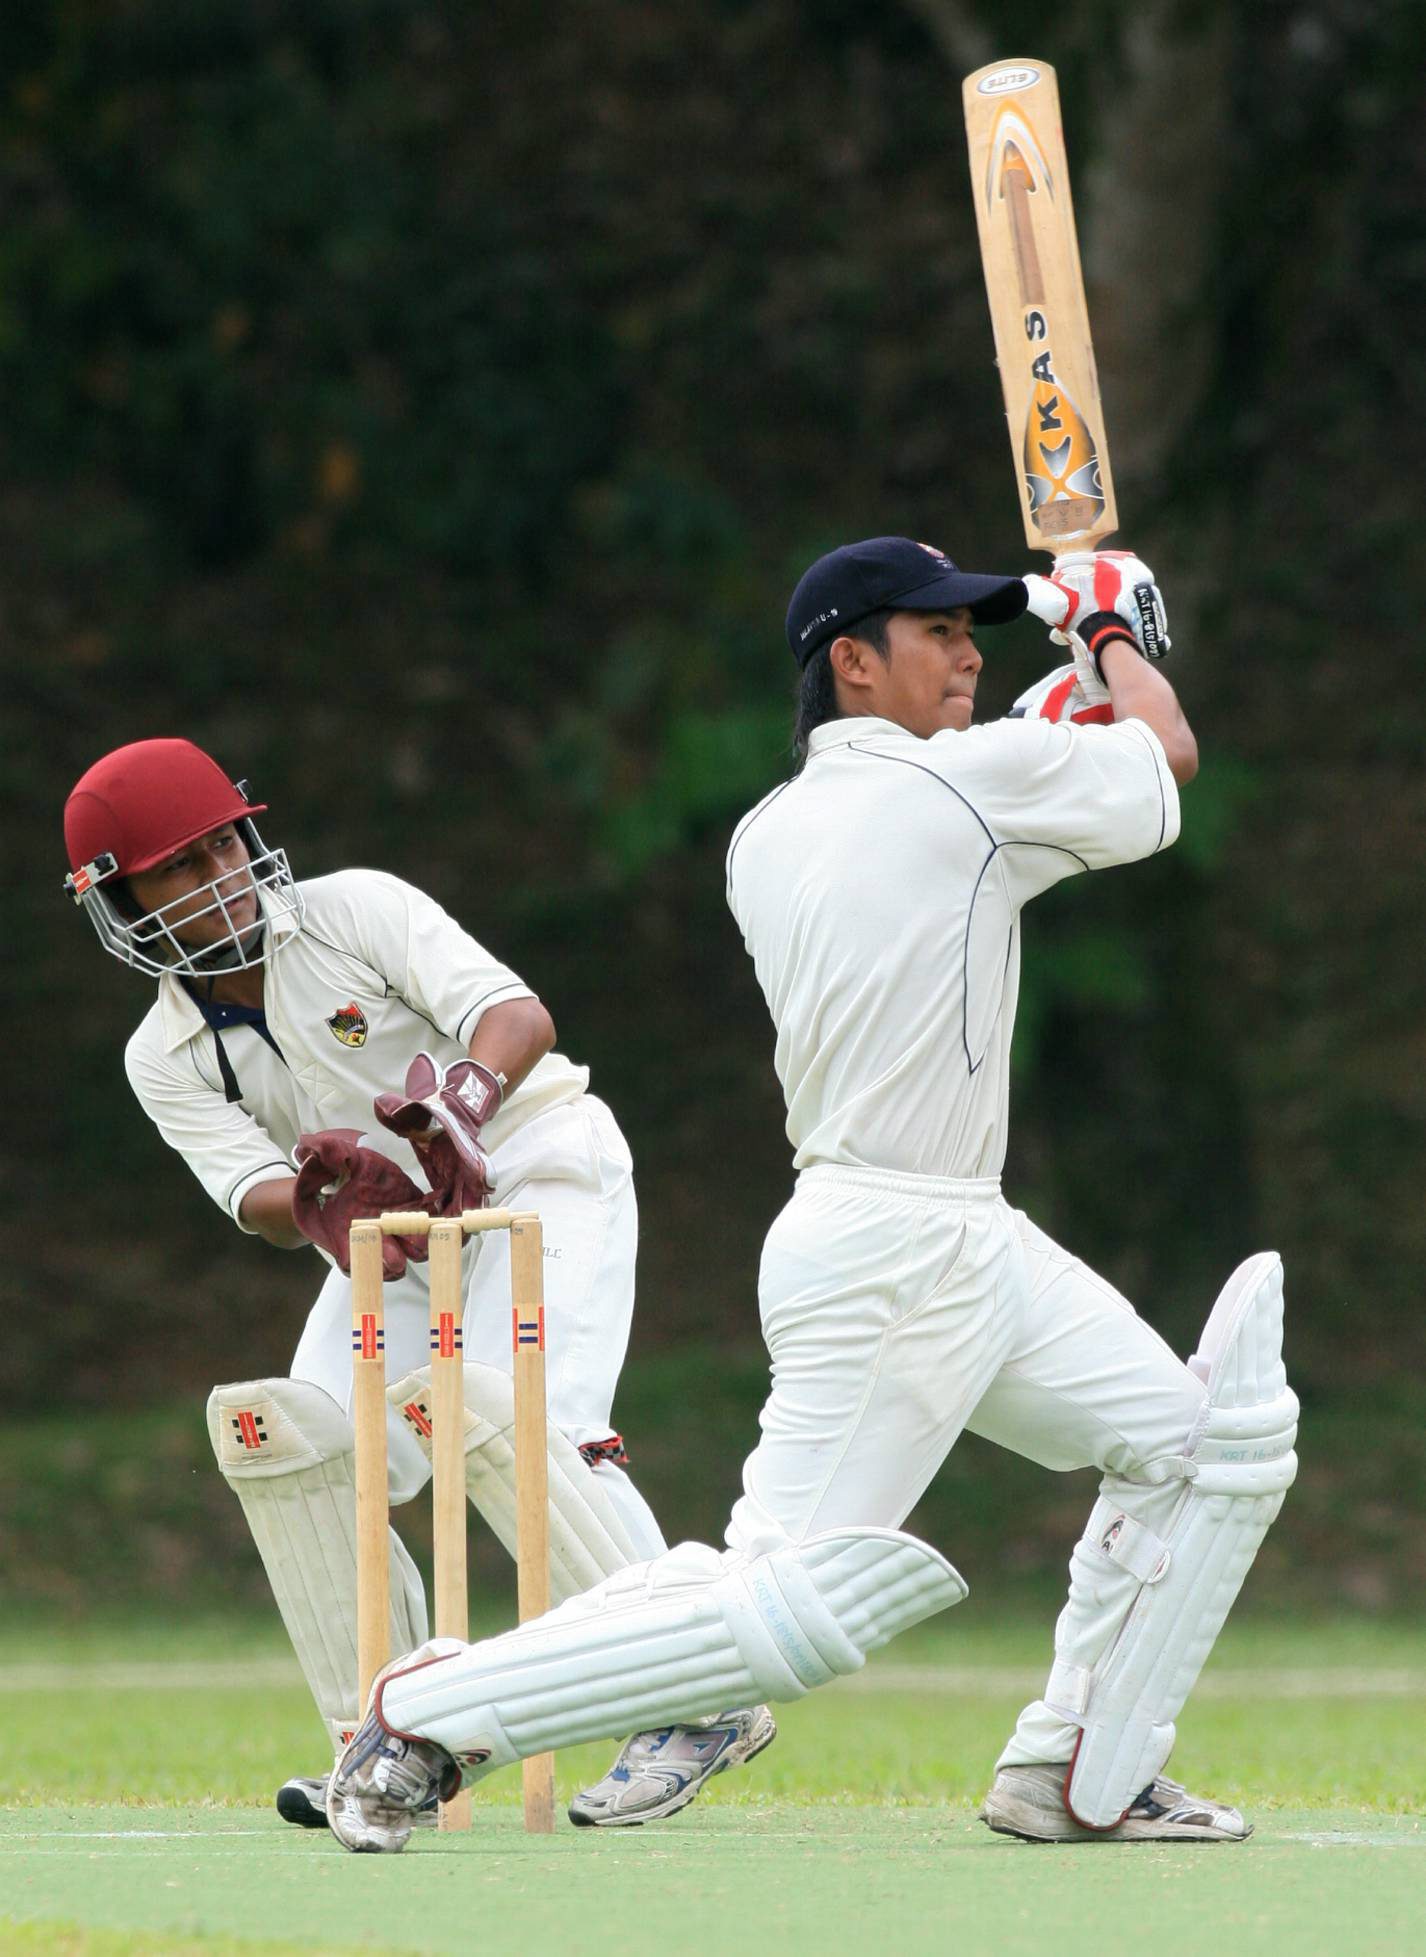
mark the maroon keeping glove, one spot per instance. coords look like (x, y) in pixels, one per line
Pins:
(441, 1115)
(339, 1181)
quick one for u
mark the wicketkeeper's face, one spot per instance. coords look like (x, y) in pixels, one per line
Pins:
(204, 891)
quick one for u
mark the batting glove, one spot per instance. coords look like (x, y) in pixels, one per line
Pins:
(1059, 605)
(1070, 694)
(1115, 597)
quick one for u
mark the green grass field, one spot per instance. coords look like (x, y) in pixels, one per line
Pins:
(140, 1767)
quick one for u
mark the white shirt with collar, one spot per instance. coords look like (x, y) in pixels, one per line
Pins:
(879, 893)
(376, 972)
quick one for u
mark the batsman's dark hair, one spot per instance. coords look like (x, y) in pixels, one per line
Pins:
(817, 687)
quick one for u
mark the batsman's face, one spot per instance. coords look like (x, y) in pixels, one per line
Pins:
(929, 681)
(185, 888)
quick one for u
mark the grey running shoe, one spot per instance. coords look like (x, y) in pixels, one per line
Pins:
(303, 1802)
(381, 1783)
(1030, 1802)
(660, 1772)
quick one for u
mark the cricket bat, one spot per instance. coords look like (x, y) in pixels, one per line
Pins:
(1036, 289)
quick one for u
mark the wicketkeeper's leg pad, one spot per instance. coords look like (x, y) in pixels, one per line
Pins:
(285, 1449)
(1158, 1568)
(589, 1538)
(676, 1639)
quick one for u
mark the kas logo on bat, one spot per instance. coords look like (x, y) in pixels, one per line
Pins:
(1061, 462)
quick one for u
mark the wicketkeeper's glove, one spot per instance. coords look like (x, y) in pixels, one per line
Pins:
(441, 1114)
(339, 1181)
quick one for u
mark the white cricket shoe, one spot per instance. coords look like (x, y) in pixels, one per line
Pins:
(303, 1801)
(658, 1773)
(381, 1783)
(1030, 1802)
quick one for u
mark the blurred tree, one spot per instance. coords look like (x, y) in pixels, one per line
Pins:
(430, 408)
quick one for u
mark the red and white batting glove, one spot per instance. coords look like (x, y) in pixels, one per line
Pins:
(339, 1181)
(441, 1114)
(1070, 694)
(1095, 597)
(1060, 606)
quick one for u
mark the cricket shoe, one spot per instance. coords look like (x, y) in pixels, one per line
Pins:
(1030, 1802)
(303, 1802)
(382, 1781)
(658, 1773)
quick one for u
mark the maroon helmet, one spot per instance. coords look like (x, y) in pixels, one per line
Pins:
(138, 806)
(144, 801)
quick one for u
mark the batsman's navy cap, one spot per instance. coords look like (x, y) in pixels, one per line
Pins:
(891, 573)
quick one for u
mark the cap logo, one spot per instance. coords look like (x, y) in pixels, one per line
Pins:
(939, 555)
(349, 1025)
(813, 623)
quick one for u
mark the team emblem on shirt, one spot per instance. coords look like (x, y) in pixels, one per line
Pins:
(349, 1025)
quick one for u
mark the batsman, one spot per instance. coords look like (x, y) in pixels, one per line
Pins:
(903, 1300)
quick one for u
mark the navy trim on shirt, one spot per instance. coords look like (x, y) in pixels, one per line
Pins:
(221, 1018)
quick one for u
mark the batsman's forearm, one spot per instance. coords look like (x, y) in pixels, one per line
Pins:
(512, 1038)
(267, 1209)
(1139, 691)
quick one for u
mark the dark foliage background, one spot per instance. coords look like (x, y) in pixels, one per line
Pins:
(428, 409)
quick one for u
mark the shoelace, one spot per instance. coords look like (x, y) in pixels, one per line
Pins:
(645, 1745)
(1161, 1796)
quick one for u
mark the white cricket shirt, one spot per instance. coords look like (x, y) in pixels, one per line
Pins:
(377, 972)
(879, 893)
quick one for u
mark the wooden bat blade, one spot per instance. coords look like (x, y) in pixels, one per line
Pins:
(1030, 252)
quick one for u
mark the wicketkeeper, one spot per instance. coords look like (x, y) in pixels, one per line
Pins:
(327, 1050)
(880, 893)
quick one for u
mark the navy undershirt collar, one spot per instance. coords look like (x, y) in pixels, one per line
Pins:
(222, 1016)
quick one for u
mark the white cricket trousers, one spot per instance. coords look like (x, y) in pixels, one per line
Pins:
(899, 1310)
(572, 1165)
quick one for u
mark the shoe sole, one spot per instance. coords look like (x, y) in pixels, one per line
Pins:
(677, 1801)
(297, 1809)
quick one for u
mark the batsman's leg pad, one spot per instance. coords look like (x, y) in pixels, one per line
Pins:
(588, 1536)
(285, 1449)
(679, 1638)
(1158, 1569)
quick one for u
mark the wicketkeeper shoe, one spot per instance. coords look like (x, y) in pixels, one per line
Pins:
(1030, 1802)
(381, 1783)
(660, 1772)
(303, 1802)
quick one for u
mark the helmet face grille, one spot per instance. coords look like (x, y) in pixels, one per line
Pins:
(159, 941)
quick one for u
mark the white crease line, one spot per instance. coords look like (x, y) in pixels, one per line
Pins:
(808, 1835)
(1339, 1838)
(126, 1834)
